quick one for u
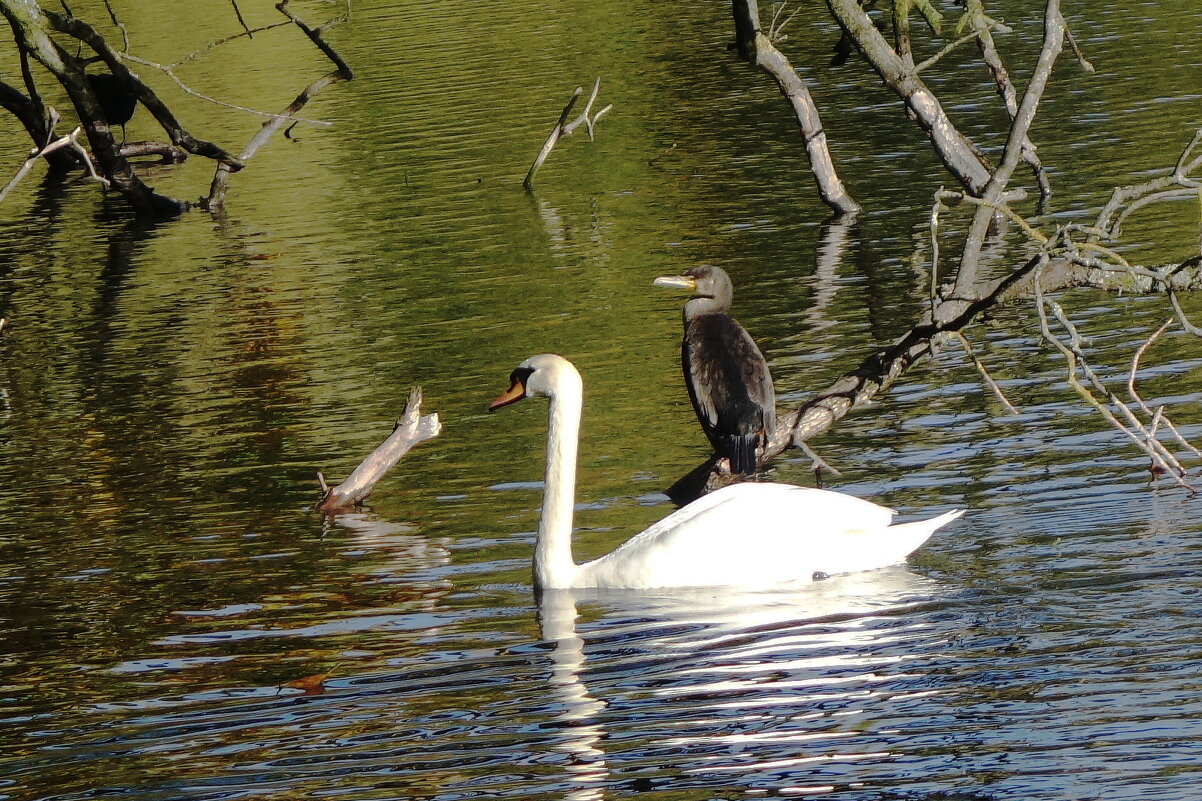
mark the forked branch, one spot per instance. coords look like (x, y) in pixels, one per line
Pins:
(217, 189)
(71, 141)
(564, 128)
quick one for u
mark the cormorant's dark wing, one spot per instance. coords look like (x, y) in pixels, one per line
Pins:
(730, 387)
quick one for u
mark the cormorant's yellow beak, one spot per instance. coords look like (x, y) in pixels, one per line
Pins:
(679, 281)
(515, 393)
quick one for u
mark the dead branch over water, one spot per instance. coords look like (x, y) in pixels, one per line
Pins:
(1066, 257)
(32, 27)
(564, 128)
(70, 141)
(758, 49)
(411, 429)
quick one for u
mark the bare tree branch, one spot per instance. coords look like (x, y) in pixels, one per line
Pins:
(241, 21)
(552, 138)
(145, 95)
(66, 141)
(1077, 51)
(120, 26)
(1178, 185)
(758, 49)
(31, 25)
(1158, 415)
(1134, 429)
(992, 192)
(219, 42)
(315, 36)
(564, 128)
(983, 27)
(168, 70)
(584, 118)
(411, 429)
(959, 338)
(955, 150)
(217, 189)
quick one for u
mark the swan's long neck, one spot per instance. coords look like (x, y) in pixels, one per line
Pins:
(553, 564)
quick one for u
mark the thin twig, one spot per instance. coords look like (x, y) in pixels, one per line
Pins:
(1134, 193)
(238, 14)
(944, 51)
(315, 36)
(1001, 207)
(1190, 327)
(988, 379)
(224, 40)
(1157, 417)
(120, 26)
(65, 141)
(1181, 168)
(936, 208)
(774, 30)
(1077, 51)
(816, 461)
(1075, 358)
(167, 70)
(1168, 195)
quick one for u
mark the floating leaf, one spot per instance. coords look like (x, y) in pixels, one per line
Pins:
(311, 685)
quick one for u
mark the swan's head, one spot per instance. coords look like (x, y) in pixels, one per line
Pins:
(707, 282)
(545, 375)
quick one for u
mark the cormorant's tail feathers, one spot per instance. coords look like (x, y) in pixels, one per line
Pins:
(740, 449)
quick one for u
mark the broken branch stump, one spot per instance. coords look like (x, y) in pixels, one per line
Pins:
(412, 428)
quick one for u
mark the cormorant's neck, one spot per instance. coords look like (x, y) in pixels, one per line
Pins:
(553, 564)
(705, 304)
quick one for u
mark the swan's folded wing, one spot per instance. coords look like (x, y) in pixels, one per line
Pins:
(749, 534)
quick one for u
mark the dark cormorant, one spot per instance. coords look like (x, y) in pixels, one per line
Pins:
(726, 374)
(116, 101)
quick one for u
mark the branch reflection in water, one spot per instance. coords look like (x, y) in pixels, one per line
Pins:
(729, 681)
(397, 556)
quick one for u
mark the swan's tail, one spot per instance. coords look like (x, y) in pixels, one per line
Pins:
(908, 536)
(881, 547)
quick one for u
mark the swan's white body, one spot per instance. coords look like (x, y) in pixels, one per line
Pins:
(752, 535)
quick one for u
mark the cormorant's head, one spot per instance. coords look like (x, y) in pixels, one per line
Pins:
(705, 280)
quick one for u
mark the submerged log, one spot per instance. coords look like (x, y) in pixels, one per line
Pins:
(412, 428)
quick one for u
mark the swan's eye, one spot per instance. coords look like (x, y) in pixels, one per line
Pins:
(520, 376)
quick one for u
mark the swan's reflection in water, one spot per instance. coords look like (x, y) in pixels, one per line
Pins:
(733, 681)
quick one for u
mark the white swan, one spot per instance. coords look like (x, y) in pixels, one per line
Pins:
(751, 535)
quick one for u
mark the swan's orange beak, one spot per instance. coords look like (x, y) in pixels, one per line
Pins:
(515, 393)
